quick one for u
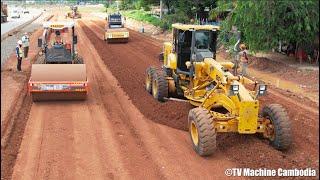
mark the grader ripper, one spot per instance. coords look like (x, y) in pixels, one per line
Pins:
(223, 104)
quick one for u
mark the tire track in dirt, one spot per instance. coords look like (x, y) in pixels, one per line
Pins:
(148, 57)
(60, 142)
(154, 141)
(299, 156)
(131, 76)
(312, 109)
(12, 141)
(143, 40)
(117, 116)
(14, 123)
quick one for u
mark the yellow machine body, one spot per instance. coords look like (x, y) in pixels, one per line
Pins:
(115, 30)
(223, 101)
(242, 108)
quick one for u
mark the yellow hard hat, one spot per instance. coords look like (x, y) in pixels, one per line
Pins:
(243, 46)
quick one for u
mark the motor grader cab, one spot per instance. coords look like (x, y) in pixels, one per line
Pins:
(74, 13)
(222, 102)
(60, 73)
(114, 30)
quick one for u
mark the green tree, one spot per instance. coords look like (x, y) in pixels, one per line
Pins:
(264, 23)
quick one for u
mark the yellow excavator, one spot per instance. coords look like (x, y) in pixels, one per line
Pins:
(222, 102)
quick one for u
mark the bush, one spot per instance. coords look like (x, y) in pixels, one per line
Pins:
(141, 4)
(164, 23)
(146, 8)
(125, 5)
(170, 19)
(140, 15)
(106, 5)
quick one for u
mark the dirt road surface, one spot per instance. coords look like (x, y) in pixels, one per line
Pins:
(104, 137)
(121, 132)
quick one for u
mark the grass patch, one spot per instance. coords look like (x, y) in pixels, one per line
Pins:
(88, 9)
(143, 16)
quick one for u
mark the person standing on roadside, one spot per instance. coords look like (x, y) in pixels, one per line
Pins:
(19, 52)
(244, 59)
(25, 43)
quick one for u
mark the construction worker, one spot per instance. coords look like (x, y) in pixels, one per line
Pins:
(25, 44)
(236, 49)
(19, 52)
(243, 59)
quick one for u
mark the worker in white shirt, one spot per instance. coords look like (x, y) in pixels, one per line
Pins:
(19, 53)
(25, 44)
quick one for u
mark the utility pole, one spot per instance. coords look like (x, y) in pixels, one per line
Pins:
(117, 2)
(160, 9)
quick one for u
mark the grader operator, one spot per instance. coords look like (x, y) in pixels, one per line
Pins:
(60, 74)
(222, 102)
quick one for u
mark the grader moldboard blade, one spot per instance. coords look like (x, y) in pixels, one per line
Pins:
(50, 82)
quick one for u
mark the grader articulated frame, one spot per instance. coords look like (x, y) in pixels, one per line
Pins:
(223, 103)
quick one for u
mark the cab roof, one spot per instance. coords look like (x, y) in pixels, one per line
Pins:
(187, 27)
(58, 24)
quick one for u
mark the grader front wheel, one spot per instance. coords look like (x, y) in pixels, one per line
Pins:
(149, 73)
(278, 129)
(159, 86)
(202, 131)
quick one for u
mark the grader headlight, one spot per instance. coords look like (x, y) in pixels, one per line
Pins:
(262, 89)
(234, 89)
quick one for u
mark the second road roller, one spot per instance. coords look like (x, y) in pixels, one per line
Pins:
(115, 31)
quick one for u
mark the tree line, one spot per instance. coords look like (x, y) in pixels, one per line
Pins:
(263, 23)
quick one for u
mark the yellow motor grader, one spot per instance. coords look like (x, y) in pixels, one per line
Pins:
(222, 102)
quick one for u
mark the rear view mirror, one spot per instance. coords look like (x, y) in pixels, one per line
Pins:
(75, 39)
(181, 37)
(39, 42)
(161, 57)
